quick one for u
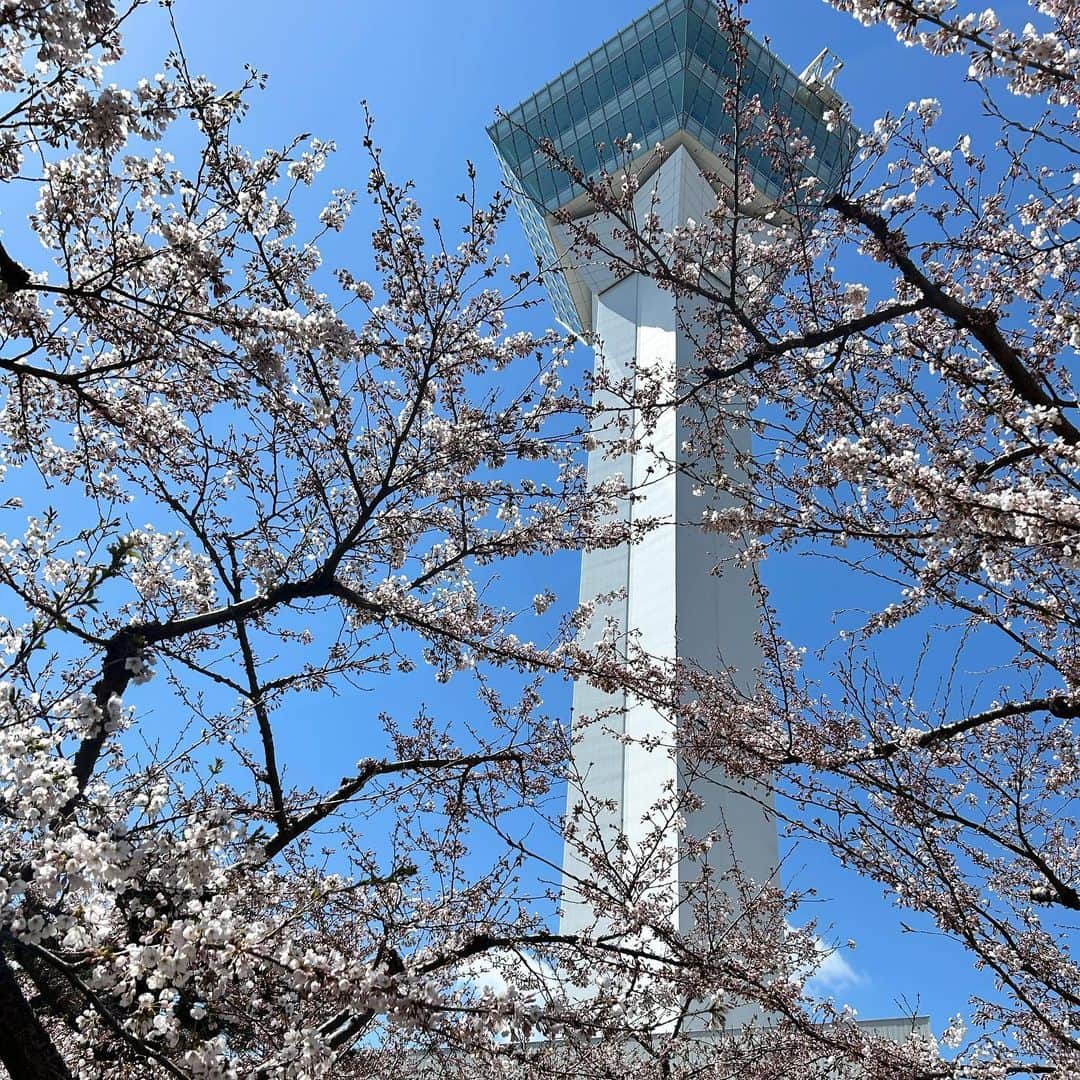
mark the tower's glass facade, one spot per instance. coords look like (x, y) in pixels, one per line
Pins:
(668, 72)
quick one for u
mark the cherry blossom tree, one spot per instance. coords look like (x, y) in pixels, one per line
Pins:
(907, 347)
(247, 495)
(239, 483)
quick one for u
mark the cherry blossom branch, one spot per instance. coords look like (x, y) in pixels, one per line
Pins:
(769, 350)
(982, 325)
(26, 1050)
(1059, 705)
(913, 12)
(71, 973)
(352, 786)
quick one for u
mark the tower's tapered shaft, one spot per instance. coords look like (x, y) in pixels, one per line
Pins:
(667, 78)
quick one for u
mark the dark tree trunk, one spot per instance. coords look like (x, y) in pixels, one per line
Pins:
(26, 1050)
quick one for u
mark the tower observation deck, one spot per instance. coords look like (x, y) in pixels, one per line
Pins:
(668, 78)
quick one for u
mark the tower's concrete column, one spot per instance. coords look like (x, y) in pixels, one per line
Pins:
(669, 600)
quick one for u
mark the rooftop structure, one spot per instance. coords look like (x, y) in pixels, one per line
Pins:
(663, 79)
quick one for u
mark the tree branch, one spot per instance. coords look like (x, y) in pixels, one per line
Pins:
(25, 1047)
(351, 786)
(981, 324)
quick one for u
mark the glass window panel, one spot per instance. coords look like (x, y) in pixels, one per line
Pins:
(650, 51)
(699, 107)
(617, 125)
(694, 27)
(591, 94)
(522, 144)
(664, 104)
(708, 44)
(576, 100)
(679, 28)
(752, 80)
(635, 62)
(619, 73)
(714, 113)
(605, 83)
(666, 45)
(562, 114)
(690, 88)
(675, 89)
(650, 117)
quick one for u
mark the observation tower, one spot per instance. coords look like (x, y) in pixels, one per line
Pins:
(669, 78)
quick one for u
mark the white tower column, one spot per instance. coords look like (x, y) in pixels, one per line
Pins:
(670, 600)
(675, 77)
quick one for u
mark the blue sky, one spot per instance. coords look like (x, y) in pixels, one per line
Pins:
(434, 72)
